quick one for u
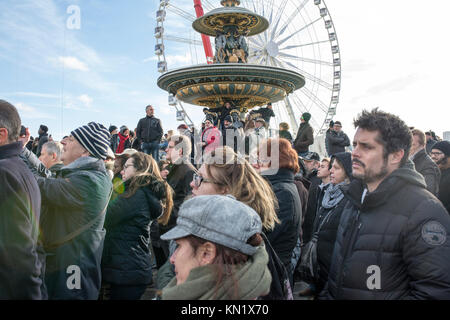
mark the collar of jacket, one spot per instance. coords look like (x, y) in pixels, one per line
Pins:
(280, 175)
(418, 155)
(10, 150)
(149, 117)
(85, 163)
(388, 187)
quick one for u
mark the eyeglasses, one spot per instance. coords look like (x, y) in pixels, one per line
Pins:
(436, 153)
(127, 166)
(198, 179)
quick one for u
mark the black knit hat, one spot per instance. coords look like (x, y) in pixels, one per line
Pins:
(228, 118)
(444, 146)
(43, 128)
(95, 138)
(209, 118)
(112, 128)
(345, 159)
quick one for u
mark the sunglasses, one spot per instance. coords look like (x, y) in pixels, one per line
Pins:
(198, 179)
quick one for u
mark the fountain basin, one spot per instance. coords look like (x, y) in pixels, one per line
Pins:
(245, 85)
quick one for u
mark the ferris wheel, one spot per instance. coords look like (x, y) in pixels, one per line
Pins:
(301, 37)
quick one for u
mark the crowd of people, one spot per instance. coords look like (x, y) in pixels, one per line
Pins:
(225, 212)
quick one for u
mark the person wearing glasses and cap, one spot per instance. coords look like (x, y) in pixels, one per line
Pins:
(220, 253)
(305, 136)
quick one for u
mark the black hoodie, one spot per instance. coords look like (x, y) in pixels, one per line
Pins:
(391, 244)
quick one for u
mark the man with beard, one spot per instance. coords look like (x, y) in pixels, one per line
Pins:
(441, 155)
(392, 241)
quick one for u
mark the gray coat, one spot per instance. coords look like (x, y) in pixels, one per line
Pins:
(76, 197)
(337, 141)
(429, 170)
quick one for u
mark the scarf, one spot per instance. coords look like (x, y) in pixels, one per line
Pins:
(333, 195)
(253, 278)
(122, 140)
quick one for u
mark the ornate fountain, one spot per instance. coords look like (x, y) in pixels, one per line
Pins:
(231, 78)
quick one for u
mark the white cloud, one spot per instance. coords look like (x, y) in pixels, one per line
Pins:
(28, 112)
(32, 94)
(86, 100)
(73, 63)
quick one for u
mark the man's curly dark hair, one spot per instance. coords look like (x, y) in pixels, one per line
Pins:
(394, 134)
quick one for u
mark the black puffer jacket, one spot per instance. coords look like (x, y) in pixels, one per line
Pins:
(398, 235)
(330, 217)
(285, 235)
(126, 257)
(149, 129)
(444, 189)
(429, 170)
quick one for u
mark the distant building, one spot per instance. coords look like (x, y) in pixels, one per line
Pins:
(447, 135)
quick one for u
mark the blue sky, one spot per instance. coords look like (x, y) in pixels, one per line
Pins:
(65, 78)
(394, 56)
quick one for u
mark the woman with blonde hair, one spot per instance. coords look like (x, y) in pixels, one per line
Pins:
(126, 261)
(225, 172)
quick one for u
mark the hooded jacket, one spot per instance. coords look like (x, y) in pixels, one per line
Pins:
(391, 244)
(78, 196)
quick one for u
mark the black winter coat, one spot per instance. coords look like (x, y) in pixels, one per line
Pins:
(149, 129)
(284, 236)
(20, 207)
(304, 138)
(395, 245)
(311, 208)
(326, 238)
(126, 256)
(429, 170)
(337, 141)
(444, 189)
(179, 178)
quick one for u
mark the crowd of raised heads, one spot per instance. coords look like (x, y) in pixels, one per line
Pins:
(225, 212)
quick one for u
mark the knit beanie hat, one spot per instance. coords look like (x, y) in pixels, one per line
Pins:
(306, 116)
(209, 118)
(95, 138)
(444, 146)
(123, 128)
(43, 128)
(345, 159)
(112, 128)
(228, 118)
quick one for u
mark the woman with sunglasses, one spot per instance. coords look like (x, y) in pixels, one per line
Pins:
(126, 261)
(224, 172)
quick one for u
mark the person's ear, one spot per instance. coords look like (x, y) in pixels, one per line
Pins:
(4, 137)
(207, 253)
(396, 157)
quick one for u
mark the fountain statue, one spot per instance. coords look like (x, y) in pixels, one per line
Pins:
(231, 78)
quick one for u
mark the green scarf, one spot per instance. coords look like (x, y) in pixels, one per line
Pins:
(253, 278)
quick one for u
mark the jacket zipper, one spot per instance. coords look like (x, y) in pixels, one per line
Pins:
(350, 243)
